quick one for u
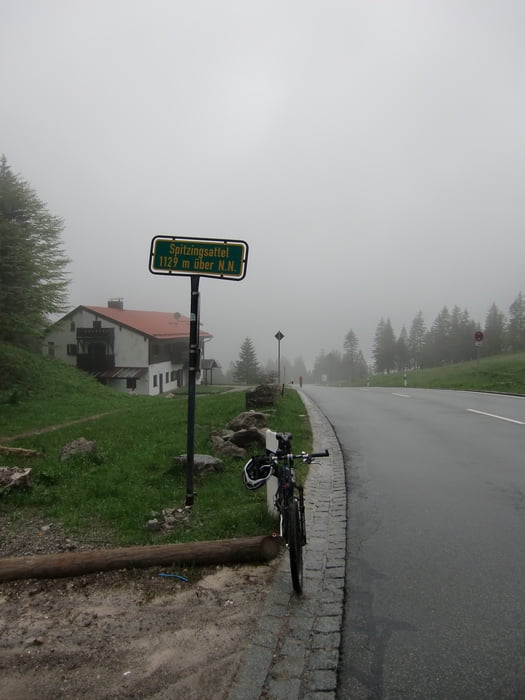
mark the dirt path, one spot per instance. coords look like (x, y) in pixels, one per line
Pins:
(50, 428)
(123, 634)
(128, 634)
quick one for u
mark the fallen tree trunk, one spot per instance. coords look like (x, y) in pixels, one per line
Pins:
(192, 553)
(19, 451)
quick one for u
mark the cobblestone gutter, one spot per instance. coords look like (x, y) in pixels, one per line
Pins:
(294, 651)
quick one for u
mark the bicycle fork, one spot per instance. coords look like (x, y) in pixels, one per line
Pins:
(302, 519)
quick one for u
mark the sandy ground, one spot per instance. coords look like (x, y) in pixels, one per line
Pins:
(123, 634)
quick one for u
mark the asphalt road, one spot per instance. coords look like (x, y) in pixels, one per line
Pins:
(435, 582)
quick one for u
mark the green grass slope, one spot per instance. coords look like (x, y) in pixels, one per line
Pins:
(109, 497)
(37, 391)
(502, 374)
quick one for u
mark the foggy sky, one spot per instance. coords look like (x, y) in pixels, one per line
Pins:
(371, 154)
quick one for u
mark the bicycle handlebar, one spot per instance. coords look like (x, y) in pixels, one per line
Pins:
(305, 456)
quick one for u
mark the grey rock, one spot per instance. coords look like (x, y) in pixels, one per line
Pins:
(247, 437)
(248, 419)
(202, 464)
(79, 446)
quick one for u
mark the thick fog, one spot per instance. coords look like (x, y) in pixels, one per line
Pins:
(370, 153)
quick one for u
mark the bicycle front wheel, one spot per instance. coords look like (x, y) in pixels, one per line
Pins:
(295, 541)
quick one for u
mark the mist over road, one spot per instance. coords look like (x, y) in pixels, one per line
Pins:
(435, 590)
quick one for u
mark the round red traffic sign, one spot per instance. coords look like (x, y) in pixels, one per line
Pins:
(478, 336)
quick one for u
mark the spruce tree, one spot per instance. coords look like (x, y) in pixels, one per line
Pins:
(384, 351)
(494, 342)
(416, 341)
(247, 369)
(516, 324)
(354, 365)
(402, 352)
(461, 337)
(439, 339)
(33, 281)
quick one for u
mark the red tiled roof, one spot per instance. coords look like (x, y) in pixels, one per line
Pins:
(157, 324)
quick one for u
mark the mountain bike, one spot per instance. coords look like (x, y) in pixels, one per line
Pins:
(288, 495)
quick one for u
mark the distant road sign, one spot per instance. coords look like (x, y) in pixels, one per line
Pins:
(478, 336)
(206, 257)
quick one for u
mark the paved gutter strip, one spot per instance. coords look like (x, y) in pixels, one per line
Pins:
(294, 651)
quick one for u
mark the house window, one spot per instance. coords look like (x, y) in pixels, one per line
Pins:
(167, 377)
(173, 375)
(97, 325)
(71, 348)
(131, 384)
(72, 326)
(155, 378)
(51, 349)
(155, 350)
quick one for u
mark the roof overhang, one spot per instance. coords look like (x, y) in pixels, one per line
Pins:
(120, 373)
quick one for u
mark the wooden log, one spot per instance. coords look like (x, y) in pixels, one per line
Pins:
(232, 551)
(19, 451)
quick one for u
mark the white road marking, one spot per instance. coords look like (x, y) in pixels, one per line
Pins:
(405, 396)
(492, 415)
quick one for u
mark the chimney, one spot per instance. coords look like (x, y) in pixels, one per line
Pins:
(116, 304)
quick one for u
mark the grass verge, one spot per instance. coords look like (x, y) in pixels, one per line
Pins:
(109, 497)
(502, 374)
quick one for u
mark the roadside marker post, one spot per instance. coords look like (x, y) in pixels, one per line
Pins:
(196, 258)
(478, 339)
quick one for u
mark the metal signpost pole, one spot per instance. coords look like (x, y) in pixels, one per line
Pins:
(196, 257)
(279, 336)
(192, 381)
(478, 339)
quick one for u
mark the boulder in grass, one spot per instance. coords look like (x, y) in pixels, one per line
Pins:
(226, 448)
(202, 464)
(248, 419)
(263, 395)
(79, 446)
(248, 437)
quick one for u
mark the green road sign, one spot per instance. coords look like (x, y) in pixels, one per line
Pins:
(207, 257)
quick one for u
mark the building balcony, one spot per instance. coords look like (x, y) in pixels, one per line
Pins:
(101, 334)
(95, 363)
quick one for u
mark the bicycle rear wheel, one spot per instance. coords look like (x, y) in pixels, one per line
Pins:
(295, 539)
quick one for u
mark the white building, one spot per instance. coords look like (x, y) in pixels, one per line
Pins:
(141, 351)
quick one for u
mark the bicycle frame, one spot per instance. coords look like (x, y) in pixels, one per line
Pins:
(288, 498)
(287, 490)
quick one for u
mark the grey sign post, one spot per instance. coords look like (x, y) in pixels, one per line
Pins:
(279, 337)
(478, 339)
(196, 257)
